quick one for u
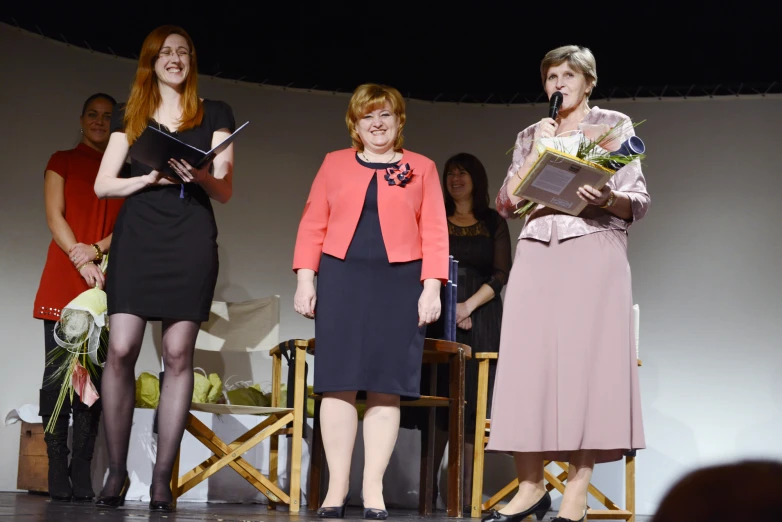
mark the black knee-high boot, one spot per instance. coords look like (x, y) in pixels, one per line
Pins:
(57, 445)
(85, 430)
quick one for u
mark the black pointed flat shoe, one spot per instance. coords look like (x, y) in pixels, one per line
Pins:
(539, 509)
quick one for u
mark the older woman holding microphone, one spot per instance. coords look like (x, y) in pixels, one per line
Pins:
(374, 231)
(567, 385)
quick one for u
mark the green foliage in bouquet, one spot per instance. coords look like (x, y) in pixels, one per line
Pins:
(69, 358)
(594, 151)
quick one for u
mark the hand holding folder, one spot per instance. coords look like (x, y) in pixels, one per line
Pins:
(155, 148)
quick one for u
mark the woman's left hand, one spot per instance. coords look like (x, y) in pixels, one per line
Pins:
(466, 324)
(428, 306)
(594, 196)
(462, 312)
(80, 254)
(187, 172)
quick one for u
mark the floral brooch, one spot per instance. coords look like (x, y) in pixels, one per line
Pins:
(399, 174)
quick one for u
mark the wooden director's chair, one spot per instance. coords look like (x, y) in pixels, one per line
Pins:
(482, 431)
(249, 326)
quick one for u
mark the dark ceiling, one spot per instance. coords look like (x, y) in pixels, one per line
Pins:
(471, 52)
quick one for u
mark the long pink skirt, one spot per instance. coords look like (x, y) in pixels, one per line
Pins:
(567, 374)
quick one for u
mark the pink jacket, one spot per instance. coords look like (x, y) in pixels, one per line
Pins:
(628, 180)
(412, 217)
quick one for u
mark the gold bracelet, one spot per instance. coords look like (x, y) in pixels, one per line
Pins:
(98, 252)
(610, 200)
(82, 266)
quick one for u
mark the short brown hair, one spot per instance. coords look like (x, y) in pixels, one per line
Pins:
(579, 58)
(369, 97)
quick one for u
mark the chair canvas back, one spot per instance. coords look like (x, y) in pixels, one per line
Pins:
(248, 326)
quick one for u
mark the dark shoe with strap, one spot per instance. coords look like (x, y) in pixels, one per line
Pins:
(539, 509)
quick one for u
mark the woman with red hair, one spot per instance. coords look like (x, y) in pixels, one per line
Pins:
(164, 251)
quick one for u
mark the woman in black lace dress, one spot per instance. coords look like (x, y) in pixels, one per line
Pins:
(479, 239)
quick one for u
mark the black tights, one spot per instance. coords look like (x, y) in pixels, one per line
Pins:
(118, 397)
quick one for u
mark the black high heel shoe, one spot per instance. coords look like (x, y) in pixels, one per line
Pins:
(159, 505)
(375, 514)
(334, 512)
(539, 509)
(115, 501)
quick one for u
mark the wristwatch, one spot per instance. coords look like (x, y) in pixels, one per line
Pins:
(610, 201)
(98, 252)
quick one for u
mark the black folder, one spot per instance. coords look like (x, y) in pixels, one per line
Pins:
(155, 148)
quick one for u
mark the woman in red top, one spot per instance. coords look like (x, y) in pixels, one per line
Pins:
(81, 227)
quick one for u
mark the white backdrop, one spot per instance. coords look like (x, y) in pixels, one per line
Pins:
(705, 261)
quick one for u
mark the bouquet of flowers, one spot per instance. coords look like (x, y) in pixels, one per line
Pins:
(604, 150)
(81, 335)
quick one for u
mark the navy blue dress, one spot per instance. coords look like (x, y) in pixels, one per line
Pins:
(366, 317)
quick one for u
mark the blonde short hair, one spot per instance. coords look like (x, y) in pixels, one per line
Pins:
(369, 97)
(580, 59)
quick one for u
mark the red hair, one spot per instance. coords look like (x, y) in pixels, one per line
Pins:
(145, 93)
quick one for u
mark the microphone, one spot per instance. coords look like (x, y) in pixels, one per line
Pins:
(555, 102)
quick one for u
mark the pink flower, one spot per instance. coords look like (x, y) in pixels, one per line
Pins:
(82, 384)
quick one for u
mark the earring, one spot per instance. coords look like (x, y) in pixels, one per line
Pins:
(81, 131)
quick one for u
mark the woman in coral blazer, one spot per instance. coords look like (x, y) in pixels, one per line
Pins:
(374, 230)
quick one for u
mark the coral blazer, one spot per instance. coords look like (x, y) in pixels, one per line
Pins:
(412, 217)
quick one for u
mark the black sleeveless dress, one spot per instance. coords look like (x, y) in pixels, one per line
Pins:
(163, 260)
(366, 318)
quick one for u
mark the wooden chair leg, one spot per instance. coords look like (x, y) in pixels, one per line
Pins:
(274, 449)
(294, 468)
(480, 430)
(428, 471)
(316, 462)
(175, 478)
(456, 436)
(274, 440)
(630, 486)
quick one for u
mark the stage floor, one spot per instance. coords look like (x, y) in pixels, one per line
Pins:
(23, 507)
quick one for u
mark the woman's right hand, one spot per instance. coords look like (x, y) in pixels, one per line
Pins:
(304, 300)
(92, 275)
(547, 128)
(157, 178)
